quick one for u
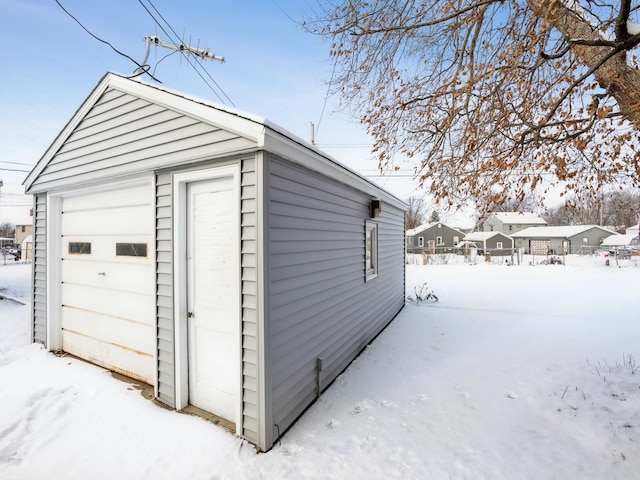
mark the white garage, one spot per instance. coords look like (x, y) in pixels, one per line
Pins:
(106, 290)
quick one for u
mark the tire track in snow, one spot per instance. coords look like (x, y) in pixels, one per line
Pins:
(42, 410)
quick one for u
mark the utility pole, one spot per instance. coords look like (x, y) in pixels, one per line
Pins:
(203, 53)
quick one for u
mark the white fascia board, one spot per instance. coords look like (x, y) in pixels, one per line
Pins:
(266, 135)
(288, 146)
(65, 132)
(240, 123)
(244, 125)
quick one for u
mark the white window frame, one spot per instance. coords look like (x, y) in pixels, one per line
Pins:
(439, 241)
(499, 245)
(421, 242)
(456, 240)
(371, 250)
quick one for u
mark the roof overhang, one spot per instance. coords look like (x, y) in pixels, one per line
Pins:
(266, 135)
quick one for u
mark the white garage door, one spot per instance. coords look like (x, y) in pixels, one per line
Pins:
(540, 247)
(107, 291)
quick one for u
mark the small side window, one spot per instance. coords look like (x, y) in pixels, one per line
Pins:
(421, 241)
(499, 245)
(79, 248)
(371, 250)
(131, 249)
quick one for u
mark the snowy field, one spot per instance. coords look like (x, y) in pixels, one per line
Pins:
(518, 372)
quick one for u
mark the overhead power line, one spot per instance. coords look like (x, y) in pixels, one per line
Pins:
(17, 163)
(186, 51)
(100, 39)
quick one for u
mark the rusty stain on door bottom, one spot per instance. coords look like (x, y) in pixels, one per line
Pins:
(221, 422)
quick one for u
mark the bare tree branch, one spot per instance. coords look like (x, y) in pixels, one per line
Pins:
(493, 99)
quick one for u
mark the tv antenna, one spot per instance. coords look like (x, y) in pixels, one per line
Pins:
(203, 53)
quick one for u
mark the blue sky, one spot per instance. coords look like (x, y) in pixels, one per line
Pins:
(273, 68)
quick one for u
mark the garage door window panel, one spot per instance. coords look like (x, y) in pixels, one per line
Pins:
(131, 250)
(79, 248)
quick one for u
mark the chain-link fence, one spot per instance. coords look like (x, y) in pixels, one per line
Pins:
(518, 256)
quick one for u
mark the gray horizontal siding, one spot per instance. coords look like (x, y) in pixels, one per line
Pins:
(164, 290)
(122, 134)
(39, 305)
(319, 302)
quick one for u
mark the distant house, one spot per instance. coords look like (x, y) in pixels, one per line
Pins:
(561, 239)
(487, 241)
(433, 238)
(620, 240)
(511, 222)
(24, 231)
(634, 230)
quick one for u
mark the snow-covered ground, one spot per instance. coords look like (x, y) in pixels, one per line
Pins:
(517, 372)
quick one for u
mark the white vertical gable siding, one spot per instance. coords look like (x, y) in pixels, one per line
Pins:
(39, 305)
(122, 134)
(249, 275)
(319, 302)
(165, 389)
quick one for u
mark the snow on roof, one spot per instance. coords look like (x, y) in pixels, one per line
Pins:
(618, 240)
(557, 231)
(426, 226)
(420, 228)
(529, 218)
(482, 236)
(24, 221)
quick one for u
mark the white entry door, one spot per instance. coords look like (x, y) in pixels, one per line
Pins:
(213, 297)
